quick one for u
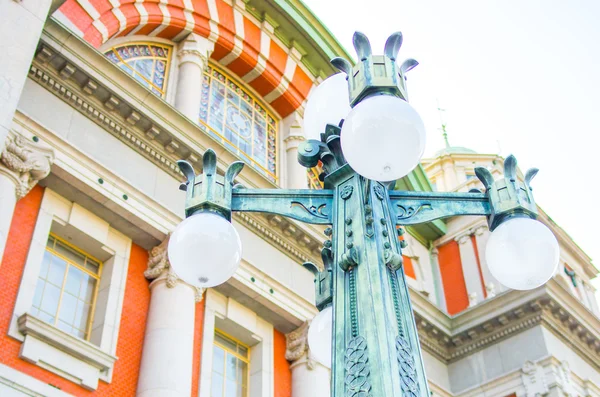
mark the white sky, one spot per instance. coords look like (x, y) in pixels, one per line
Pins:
(520, 77)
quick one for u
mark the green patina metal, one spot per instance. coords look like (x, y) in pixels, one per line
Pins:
(376, 350)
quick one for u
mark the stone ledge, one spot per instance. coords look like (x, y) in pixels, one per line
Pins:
(61, 353)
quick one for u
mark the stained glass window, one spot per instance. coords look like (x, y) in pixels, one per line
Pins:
(147, 63)
(230, 367)
(313, 177)
(231, 115)
(66, 289)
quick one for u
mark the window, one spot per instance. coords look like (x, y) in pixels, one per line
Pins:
(230, 367)
(147, 63)
(313, 177)
(66, 289)
(232, 116)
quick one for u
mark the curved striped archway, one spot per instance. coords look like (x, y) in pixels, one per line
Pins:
(244, 47)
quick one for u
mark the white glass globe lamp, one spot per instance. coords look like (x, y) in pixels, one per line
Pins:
(522, 253)
(320, 336)
(383, 138)
(328, 103)
(205, 250)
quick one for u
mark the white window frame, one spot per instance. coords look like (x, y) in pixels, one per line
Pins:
(220, 307)
(45, 345)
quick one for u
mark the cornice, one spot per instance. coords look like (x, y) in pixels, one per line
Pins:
(160, 145)
(453, 338)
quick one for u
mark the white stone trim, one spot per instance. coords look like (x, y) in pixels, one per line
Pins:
(105, 328)
(25, 385)
(51, 348)
(220, 307)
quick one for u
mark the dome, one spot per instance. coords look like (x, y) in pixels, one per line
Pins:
(454, 150)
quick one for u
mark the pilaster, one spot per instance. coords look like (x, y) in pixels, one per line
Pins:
(470, 269)
(309, 377)
(193, 54)
(293, 136)
(22, 165)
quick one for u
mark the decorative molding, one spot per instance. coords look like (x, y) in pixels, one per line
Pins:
(111, 121)
(274, 232)
(490, 290)
(565, 381)
(156, 144)
(296, 346)
(159, 268)
(25, 163)
(41, 338)
(533, 379)
(545, 309)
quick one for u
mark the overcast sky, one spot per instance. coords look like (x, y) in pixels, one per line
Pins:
(520, 77)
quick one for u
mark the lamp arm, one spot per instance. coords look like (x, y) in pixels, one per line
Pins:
(412, 208)
(310, 206)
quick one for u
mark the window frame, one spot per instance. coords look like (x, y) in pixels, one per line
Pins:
(168, 60)
(97, 277)
(235, 354)
(256, 100)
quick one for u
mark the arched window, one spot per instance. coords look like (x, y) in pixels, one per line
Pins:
(232, 115)
(313, 177)
(147, 62)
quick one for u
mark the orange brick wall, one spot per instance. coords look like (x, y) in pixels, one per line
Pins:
(283, 374)
(409, 269)
(453, 279)
(133, 318)
(198, 332)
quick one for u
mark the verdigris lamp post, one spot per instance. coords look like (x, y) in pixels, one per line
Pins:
(375, 348)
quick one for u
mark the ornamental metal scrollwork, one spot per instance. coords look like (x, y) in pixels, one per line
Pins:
(357, 368)
(406, 213)
(313, 209)
(408, 371)
(378, 192)
(346, 192)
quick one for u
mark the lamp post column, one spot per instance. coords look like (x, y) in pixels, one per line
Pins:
(309, 377)
(375, 342)
(167, 358)
(193, 56)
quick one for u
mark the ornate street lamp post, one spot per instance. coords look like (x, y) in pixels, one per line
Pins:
(375, 346)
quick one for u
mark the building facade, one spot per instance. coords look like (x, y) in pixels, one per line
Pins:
(100, 98)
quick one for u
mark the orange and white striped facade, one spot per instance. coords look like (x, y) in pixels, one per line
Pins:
(246, 46)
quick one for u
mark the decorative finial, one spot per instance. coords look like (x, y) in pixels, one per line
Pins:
(375, 74)
(444, 132)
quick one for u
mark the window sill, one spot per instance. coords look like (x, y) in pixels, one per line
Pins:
(62, 353)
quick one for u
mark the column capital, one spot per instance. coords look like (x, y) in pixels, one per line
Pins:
(296, 347)
(463, 238)
(160, 270)
(293, 130)
(25, 163)
(195, 49)
(480, 230)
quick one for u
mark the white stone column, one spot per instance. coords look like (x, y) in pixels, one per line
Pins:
(22, 165)
(20, 31)
(309, 378)
(482, 235)
(167, 356)
(293, 136)
(193, 55)
(470, 269)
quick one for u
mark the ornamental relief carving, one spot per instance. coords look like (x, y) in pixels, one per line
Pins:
(159, 267)
(296, 346)
(26, 163)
